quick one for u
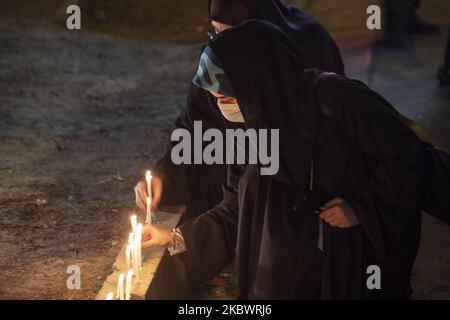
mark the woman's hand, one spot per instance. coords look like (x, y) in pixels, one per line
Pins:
(338, 213)
(140, 191)
(153, 236)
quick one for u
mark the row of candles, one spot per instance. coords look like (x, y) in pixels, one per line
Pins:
(133, 252)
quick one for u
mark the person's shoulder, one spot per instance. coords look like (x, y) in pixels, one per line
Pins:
(331, 79)
(337, 85)
(342, 93)
(338, 92)
(296, 15)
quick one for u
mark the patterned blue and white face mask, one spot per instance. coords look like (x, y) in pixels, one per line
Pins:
(210, 75)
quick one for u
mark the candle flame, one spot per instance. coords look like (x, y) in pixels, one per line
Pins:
(109, 296)
(148, 175)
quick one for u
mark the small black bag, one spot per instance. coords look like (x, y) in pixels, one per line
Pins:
(437, 164)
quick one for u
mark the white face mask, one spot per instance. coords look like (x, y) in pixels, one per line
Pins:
(231, 112)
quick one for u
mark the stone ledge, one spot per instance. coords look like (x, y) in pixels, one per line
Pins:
(167, 217)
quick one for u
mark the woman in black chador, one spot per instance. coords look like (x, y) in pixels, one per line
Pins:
(337, 138)
(200, 186)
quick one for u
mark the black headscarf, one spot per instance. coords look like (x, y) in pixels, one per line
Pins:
(265, 75)
(230, 12)
(300, 26)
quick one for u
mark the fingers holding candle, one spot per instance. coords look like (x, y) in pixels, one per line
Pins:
(153, 236)
(146, 233)
(140, 191)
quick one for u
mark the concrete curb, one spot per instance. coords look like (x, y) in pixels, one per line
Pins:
(168, 217)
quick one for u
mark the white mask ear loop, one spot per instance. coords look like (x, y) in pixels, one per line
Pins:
(231, 112)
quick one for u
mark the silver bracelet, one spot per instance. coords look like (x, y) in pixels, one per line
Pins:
(178, 243)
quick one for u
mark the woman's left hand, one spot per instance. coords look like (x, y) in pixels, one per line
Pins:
(338, 213)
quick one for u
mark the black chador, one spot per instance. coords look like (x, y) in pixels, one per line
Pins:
(361, 152)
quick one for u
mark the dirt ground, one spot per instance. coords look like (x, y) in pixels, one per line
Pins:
(82, 115)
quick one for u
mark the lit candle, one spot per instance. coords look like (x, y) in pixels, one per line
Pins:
(120, 291)
(134, 223)
(148, 220)
(148, 178)
(130, 246)
(128, 257)
(129, 285)
(135, 261)
(138, 244)
(109, 296)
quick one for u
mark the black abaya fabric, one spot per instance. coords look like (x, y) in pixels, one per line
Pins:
(200, 186)
(363, 153)
(230, 12)
(300, 26)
